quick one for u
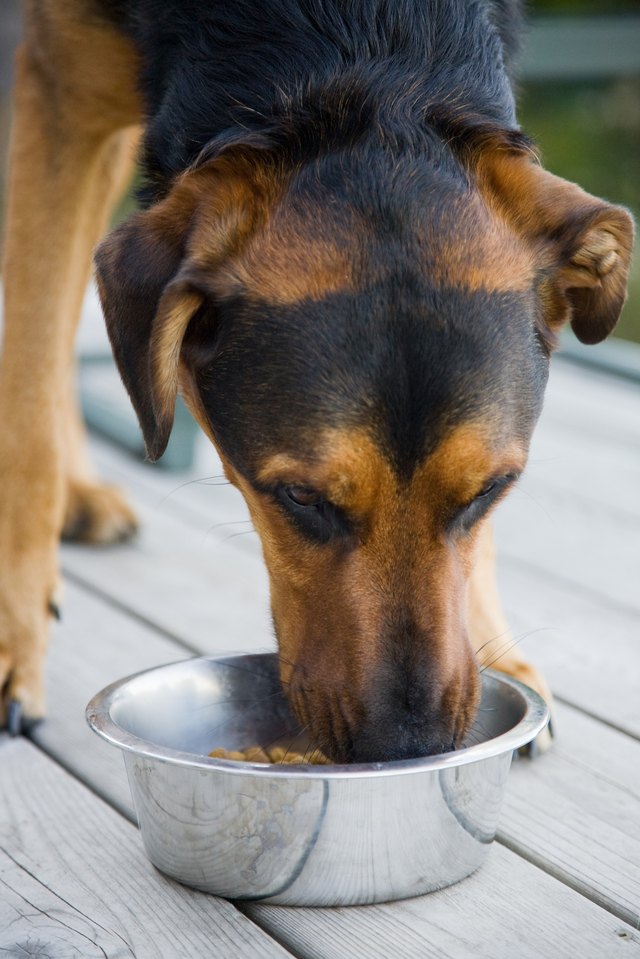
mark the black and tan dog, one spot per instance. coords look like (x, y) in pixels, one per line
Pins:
(351, 264)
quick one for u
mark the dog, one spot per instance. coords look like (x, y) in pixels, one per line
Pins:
(351, 264)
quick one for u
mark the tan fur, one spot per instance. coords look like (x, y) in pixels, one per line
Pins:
(74, 92)
(283, 263)
(581, 244)
(483, 252)
(489, 631)
(177, 306)
(330, 609)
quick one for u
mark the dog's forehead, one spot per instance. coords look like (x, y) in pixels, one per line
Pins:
(402, 361)
(320, 239)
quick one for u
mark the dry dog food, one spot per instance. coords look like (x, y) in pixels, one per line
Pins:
(276, 754)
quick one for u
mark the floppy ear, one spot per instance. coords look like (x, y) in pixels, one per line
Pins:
(584, 243)
(147, 306)
(154, 273)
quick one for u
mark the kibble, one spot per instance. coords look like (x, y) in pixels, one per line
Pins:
(274, 755)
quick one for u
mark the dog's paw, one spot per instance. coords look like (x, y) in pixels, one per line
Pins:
(24, 635)
(97, 513)
(527, 674)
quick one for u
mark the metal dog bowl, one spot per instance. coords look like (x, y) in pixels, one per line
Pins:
(301, 835)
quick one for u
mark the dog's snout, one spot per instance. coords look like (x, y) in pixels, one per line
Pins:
(404, 719)
(395, 715)
(393, 741)
(385, 729)
(413, 705)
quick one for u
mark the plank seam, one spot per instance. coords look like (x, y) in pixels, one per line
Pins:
(110, 600)
(573, 882)
(597, 718)
(602, 598)
(55, 757)
(247, 912)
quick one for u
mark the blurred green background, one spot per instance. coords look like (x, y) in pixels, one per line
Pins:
(579, 97)
(589, 131)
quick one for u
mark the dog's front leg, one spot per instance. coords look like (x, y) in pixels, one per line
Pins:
(489, 631)
(66, 161)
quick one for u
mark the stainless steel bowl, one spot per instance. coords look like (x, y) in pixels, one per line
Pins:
(301, 835)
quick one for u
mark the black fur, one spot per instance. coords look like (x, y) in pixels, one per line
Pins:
(405, 363)
(375, 102)
(313, 72)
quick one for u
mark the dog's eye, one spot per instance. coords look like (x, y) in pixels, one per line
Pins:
(466, 517)
(303, 495)
(492, 489)
(313, 515)
(489, 488)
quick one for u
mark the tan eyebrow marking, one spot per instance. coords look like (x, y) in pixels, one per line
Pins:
(353, 472)
(289, 260)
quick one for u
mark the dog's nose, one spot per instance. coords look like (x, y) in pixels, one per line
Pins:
(388, 740)
(407, 714)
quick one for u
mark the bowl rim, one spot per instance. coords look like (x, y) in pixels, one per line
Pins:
(98, 716)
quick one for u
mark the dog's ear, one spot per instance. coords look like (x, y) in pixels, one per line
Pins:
(147, 302)
(584, 244)
(156, 270)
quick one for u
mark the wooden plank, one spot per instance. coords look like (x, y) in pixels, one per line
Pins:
(615, 356)
(579, 542)
(503, 910)
(576, 514)
(206, 593)
(595, 405)
(201, 496)
(94, 645)
(75, 881)
(577, 810)
(606, 471)
(590, 760)
(588, 650)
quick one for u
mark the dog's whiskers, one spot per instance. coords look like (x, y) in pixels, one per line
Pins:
(489, 641)
(504, 649)
(252, 672)
(295, 732)
(235, 522)
(204, 481)
(243, 532)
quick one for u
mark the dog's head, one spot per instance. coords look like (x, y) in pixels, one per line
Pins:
(366, 341)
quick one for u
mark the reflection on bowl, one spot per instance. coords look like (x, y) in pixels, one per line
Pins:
(301, 835)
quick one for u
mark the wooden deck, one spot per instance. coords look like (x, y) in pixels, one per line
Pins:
(563, 879)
